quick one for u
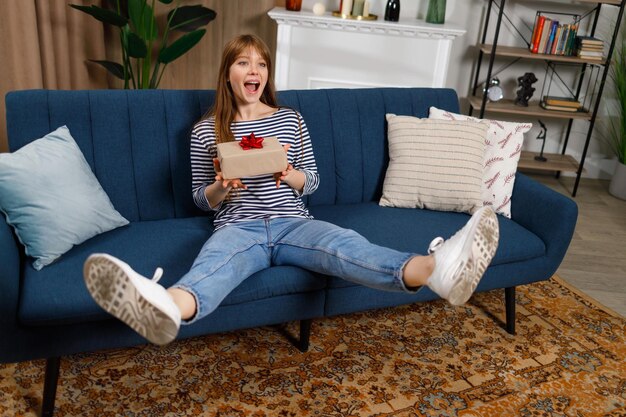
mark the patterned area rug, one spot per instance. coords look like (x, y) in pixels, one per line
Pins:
(428, 359)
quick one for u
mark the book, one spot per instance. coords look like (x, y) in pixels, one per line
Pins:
(558, 47)
(557, 38)
(590, 53)
(553, 26)
(562, 101)
(569, 48)
(591, 58)
(559, 108)
(591, 48)
(589, 40)
(596, 56)
(566, 39)
(536, 36)
(551, 36)
(545, 34)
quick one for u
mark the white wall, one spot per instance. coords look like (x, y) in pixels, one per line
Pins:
(470, 14)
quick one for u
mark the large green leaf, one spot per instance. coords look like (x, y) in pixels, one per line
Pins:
(180, 46)
(189, 18)
(113, 67)
(143, 20)
(136, 46)
(104, 15)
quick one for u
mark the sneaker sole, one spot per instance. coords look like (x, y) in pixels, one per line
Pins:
(483, 248)
(112, 288)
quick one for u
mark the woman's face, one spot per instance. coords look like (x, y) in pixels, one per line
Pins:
(248, 77)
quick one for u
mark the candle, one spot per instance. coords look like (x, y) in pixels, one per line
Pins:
(346, 7)
(366, 8)
(319, 9)
(357, 9)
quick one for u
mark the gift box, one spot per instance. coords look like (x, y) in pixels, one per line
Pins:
(251, 156)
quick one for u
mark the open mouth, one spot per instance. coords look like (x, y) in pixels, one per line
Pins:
(252, 86)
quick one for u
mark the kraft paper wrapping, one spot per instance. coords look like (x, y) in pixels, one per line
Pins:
(239, 163)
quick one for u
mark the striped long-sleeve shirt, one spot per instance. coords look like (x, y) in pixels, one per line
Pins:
(261, 200)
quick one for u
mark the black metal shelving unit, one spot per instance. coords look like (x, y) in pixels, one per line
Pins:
(562, 162)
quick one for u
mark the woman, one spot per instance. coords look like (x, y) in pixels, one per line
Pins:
(261, 221)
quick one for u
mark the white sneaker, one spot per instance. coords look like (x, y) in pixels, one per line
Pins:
(461, 261)
(138, 301)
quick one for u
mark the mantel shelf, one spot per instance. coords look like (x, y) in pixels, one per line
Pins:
(520, 52)
(613, 2)
(411, 28)
(533, 109)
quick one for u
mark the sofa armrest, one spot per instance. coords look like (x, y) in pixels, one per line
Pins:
(547, 213)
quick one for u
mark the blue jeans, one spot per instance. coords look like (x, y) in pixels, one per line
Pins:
(235, 252)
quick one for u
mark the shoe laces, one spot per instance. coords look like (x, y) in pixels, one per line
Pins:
(438, 241)
(158, 273)
(435, 244)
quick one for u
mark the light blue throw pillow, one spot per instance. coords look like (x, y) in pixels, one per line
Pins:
(52, 199)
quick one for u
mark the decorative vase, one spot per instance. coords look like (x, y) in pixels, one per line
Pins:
(436, 11)
(617, 186)
(392, 11)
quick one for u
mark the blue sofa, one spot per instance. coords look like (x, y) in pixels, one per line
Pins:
(137, 144)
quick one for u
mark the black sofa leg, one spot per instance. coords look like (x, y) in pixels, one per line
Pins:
(305, 333)
(50, 386)
(509, 301)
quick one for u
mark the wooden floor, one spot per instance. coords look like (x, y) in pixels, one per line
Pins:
(596, 260)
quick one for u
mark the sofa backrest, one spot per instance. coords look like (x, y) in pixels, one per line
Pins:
(137, 142)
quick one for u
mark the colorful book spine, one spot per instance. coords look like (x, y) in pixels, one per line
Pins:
(562, 101)
(545, 34)
(536, 36)
(569, 48)
(551, 37)
(557, 39)
(553, 27)
(560, 50)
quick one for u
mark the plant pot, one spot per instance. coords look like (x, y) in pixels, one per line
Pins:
(617, 187)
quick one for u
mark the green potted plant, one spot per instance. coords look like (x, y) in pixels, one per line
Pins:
(147, 48)
(616, 124)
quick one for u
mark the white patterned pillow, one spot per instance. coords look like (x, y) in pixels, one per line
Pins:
(503, 146)
(434, 164)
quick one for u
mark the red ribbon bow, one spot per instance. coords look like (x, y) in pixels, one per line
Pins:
(249, 142)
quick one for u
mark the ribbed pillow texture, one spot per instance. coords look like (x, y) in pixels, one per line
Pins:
(52, 199)
(503, 147)
(434, 164)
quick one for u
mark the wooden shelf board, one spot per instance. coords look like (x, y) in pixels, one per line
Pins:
(555, 162)
(533, 109)
(615, 2)
(521, 52)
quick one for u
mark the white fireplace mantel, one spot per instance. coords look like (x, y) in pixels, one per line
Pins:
(326, 51)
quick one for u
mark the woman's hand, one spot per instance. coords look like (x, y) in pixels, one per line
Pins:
(233, 182)
(292, 177)
(287, 175)
(282, 176)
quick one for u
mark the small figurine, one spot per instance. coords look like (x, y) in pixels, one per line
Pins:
(542, 136)
(526, 90)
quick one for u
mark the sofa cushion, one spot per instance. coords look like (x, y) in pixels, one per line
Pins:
(387, 226)
(434, 164)
(57, 294)
(52, 198)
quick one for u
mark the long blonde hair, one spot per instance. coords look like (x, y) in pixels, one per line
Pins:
(225, 107)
